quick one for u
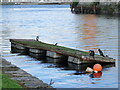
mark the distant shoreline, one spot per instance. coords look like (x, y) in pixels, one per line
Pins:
(13, 3)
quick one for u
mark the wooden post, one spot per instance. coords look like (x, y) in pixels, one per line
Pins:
(94, 9)
(81, 9)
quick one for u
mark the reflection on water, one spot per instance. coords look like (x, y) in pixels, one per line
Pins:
(89, 31)
(61, 62)
(56, 24)
(96, 75)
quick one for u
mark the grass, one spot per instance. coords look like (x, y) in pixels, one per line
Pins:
(45, 46)
(8, 83)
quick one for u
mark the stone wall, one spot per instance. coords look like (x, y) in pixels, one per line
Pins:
(25, 79)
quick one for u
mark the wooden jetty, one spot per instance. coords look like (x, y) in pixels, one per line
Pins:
(55, 51)
(105, 8)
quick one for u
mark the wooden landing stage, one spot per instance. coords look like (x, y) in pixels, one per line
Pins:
(55, 51)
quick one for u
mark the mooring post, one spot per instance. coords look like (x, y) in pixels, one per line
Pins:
(13, 50)
(94, 9)
(81, 9)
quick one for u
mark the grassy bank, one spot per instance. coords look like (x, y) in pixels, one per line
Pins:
(8, 83)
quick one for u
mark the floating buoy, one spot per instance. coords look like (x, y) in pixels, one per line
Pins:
(97, 68)
(89, 70)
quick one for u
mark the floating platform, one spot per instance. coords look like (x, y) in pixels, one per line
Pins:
(55, 51)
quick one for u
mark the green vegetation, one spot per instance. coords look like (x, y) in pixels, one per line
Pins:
(75, 4)
(0, 81)
(8, 83)
(51, 47)
(109, 8)
(33, 44)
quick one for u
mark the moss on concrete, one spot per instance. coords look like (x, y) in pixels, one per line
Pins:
(60, 50)
(51, 47)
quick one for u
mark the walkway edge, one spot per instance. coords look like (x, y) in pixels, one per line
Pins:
(22, 77)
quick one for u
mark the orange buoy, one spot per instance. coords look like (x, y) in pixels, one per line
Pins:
(97, 67)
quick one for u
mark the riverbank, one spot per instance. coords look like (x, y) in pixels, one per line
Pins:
(23, 78)
(34, 3)
(96, 8)
(8, 83)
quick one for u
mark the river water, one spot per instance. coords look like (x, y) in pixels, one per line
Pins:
(56, 24)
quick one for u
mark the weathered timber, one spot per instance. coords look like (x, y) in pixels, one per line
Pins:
(75, 56)
(96, 8)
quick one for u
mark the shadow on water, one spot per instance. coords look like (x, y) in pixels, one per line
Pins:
(80, 69)
(63, 63)
(96, 75)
